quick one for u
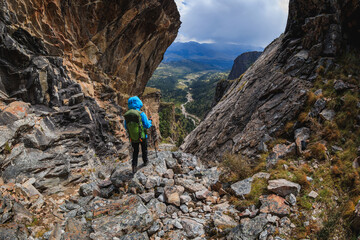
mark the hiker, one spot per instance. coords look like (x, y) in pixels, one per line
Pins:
(136, 123)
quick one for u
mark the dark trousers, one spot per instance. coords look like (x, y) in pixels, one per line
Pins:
(136, 152)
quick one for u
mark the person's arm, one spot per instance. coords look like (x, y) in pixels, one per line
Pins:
(146, 123)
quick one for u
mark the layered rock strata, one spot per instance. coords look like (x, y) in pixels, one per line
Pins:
(274, 89)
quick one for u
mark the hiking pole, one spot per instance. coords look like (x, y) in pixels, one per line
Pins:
(154, 136)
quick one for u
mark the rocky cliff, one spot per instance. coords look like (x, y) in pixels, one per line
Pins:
(273, 91)
(66, 70)
(242, 63)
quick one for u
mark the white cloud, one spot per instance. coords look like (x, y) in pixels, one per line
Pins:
(250, 22)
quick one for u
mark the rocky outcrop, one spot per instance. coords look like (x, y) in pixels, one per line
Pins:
(102, 45)
(242, 63)
(66, 68)
(274, 89)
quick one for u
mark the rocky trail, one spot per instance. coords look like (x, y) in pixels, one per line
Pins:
(174, 197)
(185, 113)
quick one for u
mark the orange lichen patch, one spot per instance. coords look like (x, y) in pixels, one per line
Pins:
(17, 108)
(274, 204)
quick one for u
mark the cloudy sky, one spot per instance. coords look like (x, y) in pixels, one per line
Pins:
(250, 22)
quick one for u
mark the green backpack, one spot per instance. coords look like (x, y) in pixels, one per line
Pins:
(134, 125)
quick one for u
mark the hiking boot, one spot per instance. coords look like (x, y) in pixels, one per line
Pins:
(133, 169)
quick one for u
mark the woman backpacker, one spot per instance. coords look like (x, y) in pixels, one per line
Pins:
(136, 123)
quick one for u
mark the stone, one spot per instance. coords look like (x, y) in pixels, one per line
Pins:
(89, 189)
(243, 187)
(279, 151)
(170, 209)
(154, 227)
(319, 105)
(210, 176)
(301, 137)
(184, 199)
(355, 224)
(169, 174)
(152, 182)
(156, 207)
(274, 204)
(249, 228)
(120, 216)
(356, 163)
(190, 185)
(184, 208)
(313, 194)
(263, 175)
(192, 228)
(203, 194)
(327, 114)
(291, 199)
(283, 187)
(222, 221)
(336, 148)
(339, 85)
(146, 197)
(106, 192)
(172, 195)
(318, 92)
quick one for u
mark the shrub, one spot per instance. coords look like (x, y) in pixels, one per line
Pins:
(311, 99)
(318, 151)
(302, 117)
(331, 131)
(236, 167)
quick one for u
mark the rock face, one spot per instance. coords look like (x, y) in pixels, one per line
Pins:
(274, 89)
(66, 69)
(102, 45)
(242, 63)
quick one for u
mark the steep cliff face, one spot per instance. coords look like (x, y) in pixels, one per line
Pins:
(242, 63)
(102, 43)
(66, 68)
(274, 89)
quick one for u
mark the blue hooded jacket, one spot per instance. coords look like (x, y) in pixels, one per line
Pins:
(136, 103)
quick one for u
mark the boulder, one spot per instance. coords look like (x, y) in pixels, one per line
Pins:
(274, 204)
(118, 217)
(283, 187)
(243, 187)
(223, 221)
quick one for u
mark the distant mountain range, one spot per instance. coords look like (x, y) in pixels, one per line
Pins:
(215, 56)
